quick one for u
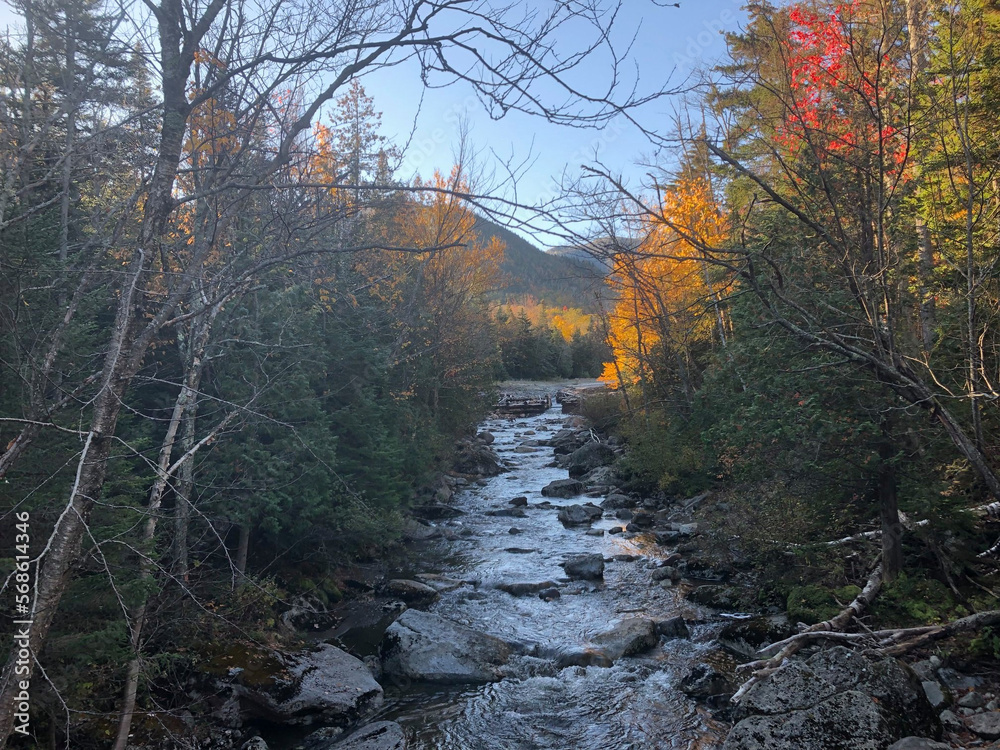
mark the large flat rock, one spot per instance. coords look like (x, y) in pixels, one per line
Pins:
(322, 685)
(429, 648)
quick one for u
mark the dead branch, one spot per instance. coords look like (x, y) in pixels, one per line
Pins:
(764, 667)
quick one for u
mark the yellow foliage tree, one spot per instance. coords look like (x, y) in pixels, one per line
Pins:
(665, 304)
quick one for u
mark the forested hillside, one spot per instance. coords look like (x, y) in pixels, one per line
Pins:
(530, 273)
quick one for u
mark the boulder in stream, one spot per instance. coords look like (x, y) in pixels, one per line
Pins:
(563, 488)
(583, 657)
(411, 592)
(476, 459)
(429, 648)
(588, 567)
(379, 735)
(524, 589)
(589, 457)
(636, 635)
(579, 515)
(719, 597)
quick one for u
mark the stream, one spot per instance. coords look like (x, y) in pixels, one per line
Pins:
(633, 704)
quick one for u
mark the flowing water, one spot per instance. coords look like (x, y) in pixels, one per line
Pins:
(634, 704)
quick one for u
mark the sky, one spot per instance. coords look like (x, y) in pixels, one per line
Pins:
(667, 45)
(670, 44)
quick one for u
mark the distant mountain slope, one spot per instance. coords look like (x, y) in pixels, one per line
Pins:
(594, 251)
(529, 272)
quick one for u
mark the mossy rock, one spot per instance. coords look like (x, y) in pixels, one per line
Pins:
(812, 604)
(258, 667)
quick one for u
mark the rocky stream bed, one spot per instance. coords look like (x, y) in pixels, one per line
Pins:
(541, 608)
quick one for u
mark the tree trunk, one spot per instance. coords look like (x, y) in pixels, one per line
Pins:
(892, 529)
(243, 549)
(63, 547)
(916, 23)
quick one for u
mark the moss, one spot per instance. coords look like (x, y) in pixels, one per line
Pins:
(812, 604)
(914, 600)
(260, 667)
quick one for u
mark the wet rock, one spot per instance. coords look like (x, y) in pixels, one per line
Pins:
(585, 567)
(519, 502)
(514, 530)
(744, 637)
(617, 500)
(507, 513)
(594, 532)
(477, 459)
(322, 685)
(718, 597)
(254, 743)
(587, 657)
(486, 438)
(985, 725)
(624, 514)
(666, 573)
(548, 595)
(635, 635)
(525, 449)
(429, 648)
(439, 582)
(641, 521)
(436, 511)
(415, 531)
(519, 550)
(589, 457)
(579, 515)
(673, 627)
(616, 530)
(563, 488)
(321, 739)
(918, 743)
(379, 735)
(524, 589)
(411, 592)
(704, 681)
